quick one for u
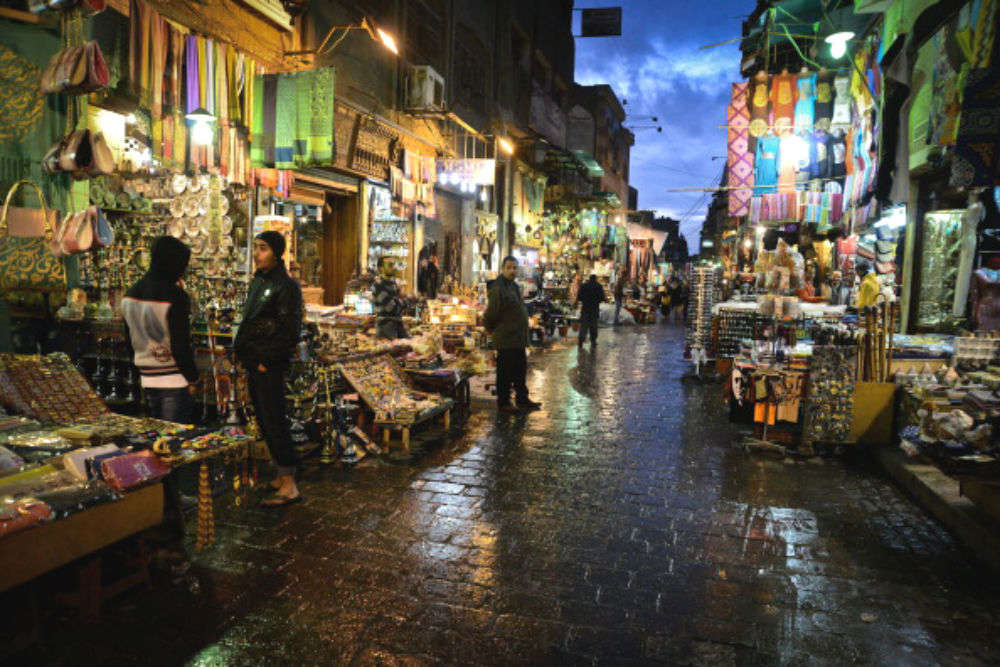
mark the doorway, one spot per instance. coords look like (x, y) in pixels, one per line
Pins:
(341, 243)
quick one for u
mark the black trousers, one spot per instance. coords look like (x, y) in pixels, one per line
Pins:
(588, 324)
(512, 369)
(267, 391)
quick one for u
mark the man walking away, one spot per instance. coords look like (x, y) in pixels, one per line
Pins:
(157, 311)
(265, 343)
(619, 296)
(387, 302)
(590, 298)
(506, 318)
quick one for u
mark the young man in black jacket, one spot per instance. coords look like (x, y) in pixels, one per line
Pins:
(265, 344)
(157, 312)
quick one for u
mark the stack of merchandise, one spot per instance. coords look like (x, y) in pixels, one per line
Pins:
(384, 387)
(700, 303)
(829, 412)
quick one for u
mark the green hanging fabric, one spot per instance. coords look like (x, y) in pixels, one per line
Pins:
(285, 121)
(301, 134)
(319, 150)
(257, 152)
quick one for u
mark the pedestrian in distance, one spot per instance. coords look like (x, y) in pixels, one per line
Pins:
(590, 298)
(265, 344)
(506, 319)
(619, 297)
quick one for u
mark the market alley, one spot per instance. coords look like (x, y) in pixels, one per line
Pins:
(618, 525)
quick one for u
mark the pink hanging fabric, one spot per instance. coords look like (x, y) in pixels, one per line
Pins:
(739, 158)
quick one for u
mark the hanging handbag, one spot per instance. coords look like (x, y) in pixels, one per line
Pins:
(104, 234)
(76, 70)
(27, 263)
(66, 69)
(103, 160)
(79, 233)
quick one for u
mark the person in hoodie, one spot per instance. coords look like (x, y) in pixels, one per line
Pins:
(157, 312)
(265, 344)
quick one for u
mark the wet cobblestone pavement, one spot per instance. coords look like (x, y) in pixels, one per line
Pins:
(616, 527)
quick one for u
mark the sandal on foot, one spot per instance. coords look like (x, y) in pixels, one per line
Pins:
(278, 500)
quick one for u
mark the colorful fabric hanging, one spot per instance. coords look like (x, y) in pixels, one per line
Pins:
(784, 91)
(286, 99)
(739, 159)
(766, 164)
(192, 88)
(759, 109)
(977, 147)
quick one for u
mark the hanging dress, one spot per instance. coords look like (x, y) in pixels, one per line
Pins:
(766, 165)
(805, 107)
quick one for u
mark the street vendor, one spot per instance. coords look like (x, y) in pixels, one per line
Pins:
(387, 301)
(265, 343)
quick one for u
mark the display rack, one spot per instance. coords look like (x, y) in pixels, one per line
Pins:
(390, 394)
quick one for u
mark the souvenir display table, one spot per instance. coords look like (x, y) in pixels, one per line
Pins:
(86, 448)
(389, 393)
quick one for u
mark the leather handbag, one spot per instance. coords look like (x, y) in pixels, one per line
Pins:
(133, 470)
(66, 69)
(78, 236)
(28, 263)
(76, 70)
(104, 234)
(82, 153)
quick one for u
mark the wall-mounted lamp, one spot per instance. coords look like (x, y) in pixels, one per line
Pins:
(367, 24)
(505, 145)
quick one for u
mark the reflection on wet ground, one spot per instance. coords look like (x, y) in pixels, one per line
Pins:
(617, 526)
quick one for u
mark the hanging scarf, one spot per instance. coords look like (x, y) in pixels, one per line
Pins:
(192, 88)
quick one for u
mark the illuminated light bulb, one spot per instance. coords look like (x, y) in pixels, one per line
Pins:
(838, 43)
(388, 41)
(202, 132)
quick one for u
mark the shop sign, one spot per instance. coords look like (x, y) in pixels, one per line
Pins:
(601, 22)
(467, 173)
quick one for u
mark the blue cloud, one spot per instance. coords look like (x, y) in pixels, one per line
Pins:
(660, 69)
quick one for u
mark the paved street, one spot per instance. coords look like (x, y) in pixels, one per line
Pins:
(617, 527)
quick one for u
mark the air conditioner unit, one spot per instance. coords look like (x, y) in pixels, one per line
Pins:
(424, 89)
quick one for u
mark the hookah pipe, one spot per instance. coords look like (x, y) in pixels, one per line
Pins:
(211, 321)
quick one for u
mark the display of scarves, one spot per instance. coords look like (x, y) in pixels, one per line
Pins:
(976, 161)
(299, 108)
(739, 158)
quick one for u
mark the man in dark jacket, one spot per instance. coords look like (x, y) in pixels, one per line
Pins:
(387, 302)
(265, 344)
(590, 298)
(157, 312)
(506, 319)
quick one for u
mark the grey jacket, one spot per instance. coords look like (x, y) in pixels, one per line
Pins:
(506, 316)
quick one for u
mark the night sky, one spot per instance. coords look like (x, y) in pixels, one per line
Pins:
(658, 67)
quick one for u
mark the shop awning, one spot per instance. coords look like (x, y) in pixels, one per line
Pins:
(594, 169)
